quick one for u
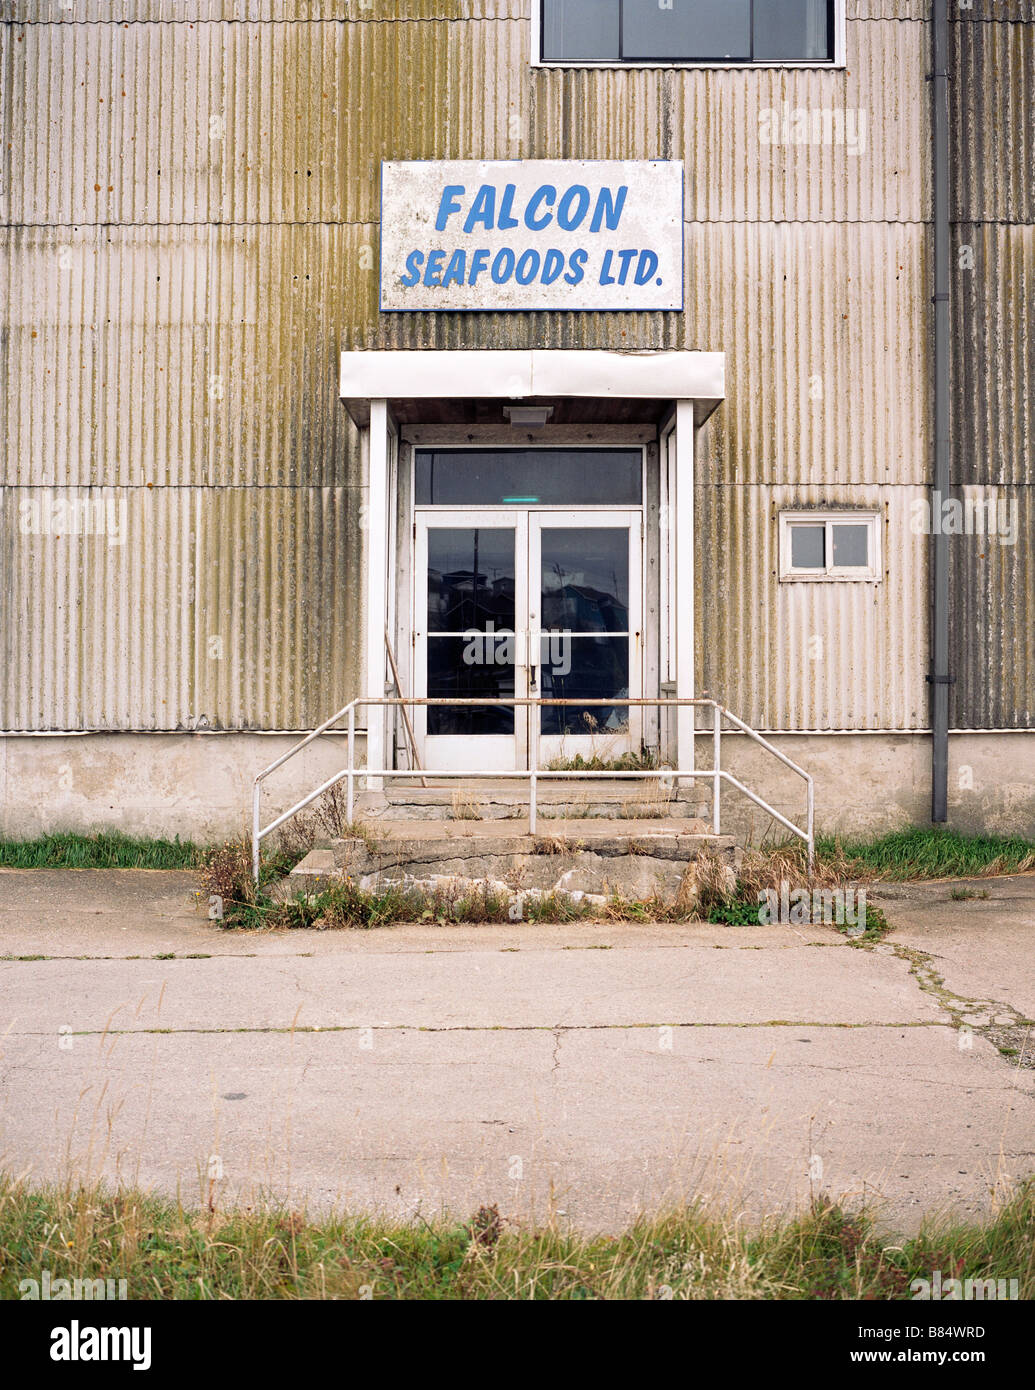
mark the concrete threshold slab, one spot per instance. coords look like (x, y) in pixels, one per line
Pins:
(489, 799)
(589, 831)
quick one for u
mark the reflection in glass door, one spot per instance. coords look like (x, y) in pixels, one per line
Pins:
(516, 603)
(587, 630)
(469, 637)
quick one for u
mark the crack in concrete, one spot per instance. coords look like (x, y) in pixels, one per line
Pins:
(553, 1028)
(970, 1015)
(439, 951)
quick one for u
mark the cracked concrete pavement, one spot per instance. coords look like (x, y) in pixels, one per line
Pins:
(582, 1071)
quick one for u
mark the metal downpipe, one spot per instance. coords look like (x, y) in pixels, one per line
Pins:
(938, 676)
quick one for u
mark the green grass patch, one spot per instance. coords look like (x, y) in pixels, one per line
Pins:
(746, 912)
(164, 1250)
(737, 912)
(931, 852)
(105, 850)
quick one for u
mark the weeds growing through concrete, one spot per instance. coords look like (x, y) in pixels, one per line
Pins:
(326, 819)
(227, 874)
(708, 893)
(165, 1250)
(916, 853)
(644, 760)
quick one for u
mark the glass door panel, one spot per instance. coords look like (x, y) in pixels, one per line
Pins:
(519, 603)
(468, 642)
(588, 631)
(471, 577)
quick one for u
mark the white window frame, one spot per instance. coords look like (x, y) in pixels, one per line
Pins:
(872, 573)
(839, 60)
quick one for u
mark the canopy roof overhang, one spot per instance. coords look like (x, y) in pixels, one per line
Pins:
(623, 386)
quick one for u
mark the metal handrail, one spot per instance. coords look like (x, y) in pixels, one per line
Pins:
(532, 773)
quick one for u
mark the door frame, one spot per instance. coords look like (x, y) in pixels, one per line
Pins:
(552, 746)
(382, 387)
(411, 629)
(493, 752)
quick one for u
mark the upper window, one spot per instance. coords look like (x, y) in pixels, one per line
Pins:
(829, 545)
(687, 31)
(527, 477)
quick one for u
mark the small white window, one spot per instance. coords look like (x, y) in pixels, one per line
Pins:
(830, 545)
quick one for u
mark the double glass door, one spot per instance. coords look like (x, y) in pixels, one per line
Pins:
(516, 603)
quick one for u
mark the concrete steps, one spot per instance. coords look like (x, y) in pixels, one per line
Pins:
(591, 857)
(490, 800)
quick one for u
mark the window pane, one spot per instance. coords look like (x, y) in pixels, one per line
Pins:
(585, 579)
(470, 579)
(517, 477)
(470, 668)
(580, 29)
(710, 29)
(808, 551)
(584, 668)
(851, 546)
(793, 29)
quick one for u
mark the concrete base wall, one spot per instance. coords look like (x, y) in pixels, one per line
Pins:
(199, 785)
(867, 784)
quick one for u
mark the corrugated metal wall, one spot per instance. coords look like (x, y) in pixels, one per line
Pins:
(288, 122)
(993, 364)
(190, 233)
(810, 656)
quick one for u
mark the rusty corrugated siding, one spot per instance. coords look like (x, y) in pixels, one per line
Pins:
(261, 122)
(177, 608)
(177, 292)
(993, 416)
(809, 656)
(993, 121)
(226, 378)
(278, 606)
(181, 355)
(825, 374)
(263, 11)
(95, 608)
(888, 9)
(993, 366)
(713, 120)
(226, 342)
(236, 123)
(993, 634)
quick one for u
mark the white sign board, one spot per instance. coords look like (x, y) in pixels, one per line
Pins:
(531, 234)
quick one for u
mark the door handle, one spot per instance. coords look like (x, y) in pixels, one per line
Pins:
(528, 644)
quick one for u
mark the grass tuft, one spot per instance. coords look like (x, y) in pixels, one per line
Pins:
(108, 849)
(166, 1251)
(930, 852)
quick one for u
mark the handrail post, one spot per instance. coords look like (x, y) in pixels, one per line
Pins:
(350, 795)
(716, 765)
(809, 824)
(255, 832)
(533, 735)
